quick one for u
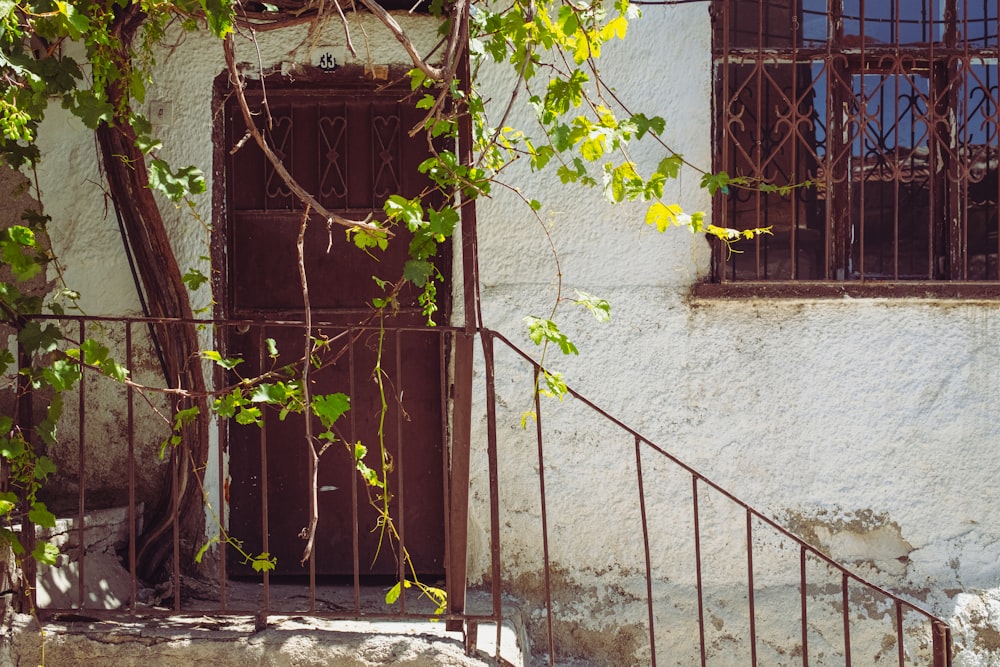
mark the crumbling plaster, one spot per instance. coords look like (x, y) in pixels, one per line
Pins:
(869, 425)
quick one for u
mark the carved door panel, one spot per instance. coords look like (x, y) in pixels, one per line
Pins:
(349, 147)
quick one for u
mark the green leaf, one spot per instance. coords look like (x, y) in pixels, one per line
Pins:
(220, 16)
(418, 271)
(393, 593)
(90, 109)
(186, 181)
(540, 331)
(17, 245)
(643, 125)
(10, 537)
(264, 562)
(600, 308)
(194, 279)
(408, 211)
(247, 416)
(40, 515)
(269, 393)
(8, 501)
(716, 182)
(662, 216)
(36, 337)
(225, 406)
(205, 547)
(227, 363)
(6, 361)
(12, 448)
(44, 467)
(45, 553)
(330, 407)
(76, 22)
(62, 375)
(360, 451)
(670, 166)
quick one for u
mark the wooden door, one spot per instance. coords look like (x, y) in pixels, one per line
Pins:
(349, 146)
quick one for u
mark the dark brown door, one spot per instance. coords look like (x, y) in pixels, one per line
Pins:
(348, 145)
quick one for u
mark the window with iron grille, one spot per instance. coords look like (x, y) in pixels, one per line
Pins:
(883, 115)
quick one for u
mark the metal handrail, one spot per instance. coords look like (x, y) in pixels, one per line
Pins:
(941, 642)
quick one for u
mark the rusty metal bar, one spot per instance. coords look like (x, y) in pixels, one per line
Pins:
(750, 591)
(545, 518)
(81, 463)
(458, 479)
(221, 478)
(176, 462)
(457, 525)
(847, 618)
(496, 572)
(899, 634)
(313, 498)
(697, 569)
(130, 471)
(443, 427)
(941, 637)
(470, 254)
(645, 551)
(25, 420)
(355, 519)
(804, 604)
(265, 526)
(400, 467)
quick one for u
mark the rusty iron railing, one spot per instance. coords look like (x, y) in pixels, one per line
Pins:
(524, 543)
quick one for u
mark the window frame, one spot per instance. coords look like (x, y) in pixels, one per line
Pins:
(842, 236)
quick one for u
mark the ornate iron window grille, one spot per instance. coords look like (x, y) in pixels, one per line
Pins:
(883, 117)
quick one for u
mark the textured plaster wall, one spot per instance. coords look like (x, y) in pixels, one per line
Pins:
(867, 426)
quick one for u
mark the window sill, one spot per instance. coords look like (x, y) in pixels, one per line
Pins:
(974, 291)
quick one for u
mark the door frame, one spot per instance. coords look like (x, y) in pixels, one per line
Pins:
(456, 492)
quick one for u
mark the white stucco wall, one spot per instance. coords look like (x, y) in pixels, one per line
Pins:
(867, 425)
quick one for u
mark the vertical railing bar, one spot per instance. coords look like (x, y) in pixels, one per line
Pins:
(25, 421)
(177, 462)
(545, 520)
(645, 546)
(265, 524)
(397, 398)
(750, 590)
(444, 430)
(942, 644)
(899, 634)
(130, 471)
(82, 472)
(355, 519)
(804, 606)
(861, 160)
(313, 494)
(759, 111)
(491, 454)
(697, 568)
(725, 148)
(794, 103)
(221, 448)
(933, 146)
(847, 618)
